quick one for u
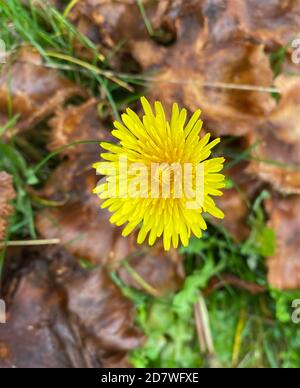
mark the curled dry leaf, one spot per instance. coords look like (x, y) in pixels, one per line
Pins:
(284, 267)
(78, 123)
(83, 228)
(7, 194)
(277, 139)
(160, 270)
(236, 202)
(117, 20)
(33, 90)
(191, 63)
(106, 22)
(231, 112)
(103, 312)
(273, 22)
(110, 23)
(285, 117)
(60, 316)
(275, 162)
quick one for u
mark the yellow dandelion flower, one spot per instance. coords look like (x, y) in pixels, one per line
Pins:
(159, 176)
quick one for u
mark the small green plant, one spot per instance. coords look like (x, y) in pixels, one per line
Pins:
(13, 162)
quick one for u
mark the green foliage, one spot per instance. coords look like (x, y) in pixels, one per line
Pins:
(268, 337)
(13, 162)
(277, 59)
(184, 301)
(283, 304)
(54, 37)
(262, 240)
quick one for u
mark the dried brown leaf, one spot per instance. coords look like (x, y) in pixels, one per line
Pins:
(284, 267)
(273, 22)
(190, 64)
(78, 123)
(285, 117)
(79, 222)
(62, 317)
(33, 91)
(277, 151)
(159, 270)
(107, 22)
(236, 202)
(7, 194)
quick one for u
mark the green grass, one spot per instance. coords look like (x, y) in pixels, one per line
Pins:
(247, 330)
(55, 37)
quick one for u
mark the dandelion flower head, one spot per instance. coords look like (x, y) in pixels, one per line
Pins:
(160, 154)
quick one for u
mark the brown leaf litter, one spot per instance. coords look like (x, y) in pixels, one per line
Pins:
(284, 267)
(75, 124)
(193, 73)
(7, 194)
(274, 22)
(60, 316)
(236, 202)
(32, 90)
(277, 141)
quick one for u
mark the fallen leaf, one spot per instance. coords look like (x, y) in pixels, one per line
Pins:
(273, 23)
(276, 162)
(103, 312)
(276, 155)
(62, 317)
(159, 270)
(32, 90)
(106, 22)
(285, 117)
(7, 194)
(195, 74)
(284, 267)
(236, 202)
(75, 124)
(81, 225)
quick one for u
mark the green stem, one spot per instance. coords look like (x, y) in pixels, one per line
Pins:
(61, 149)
